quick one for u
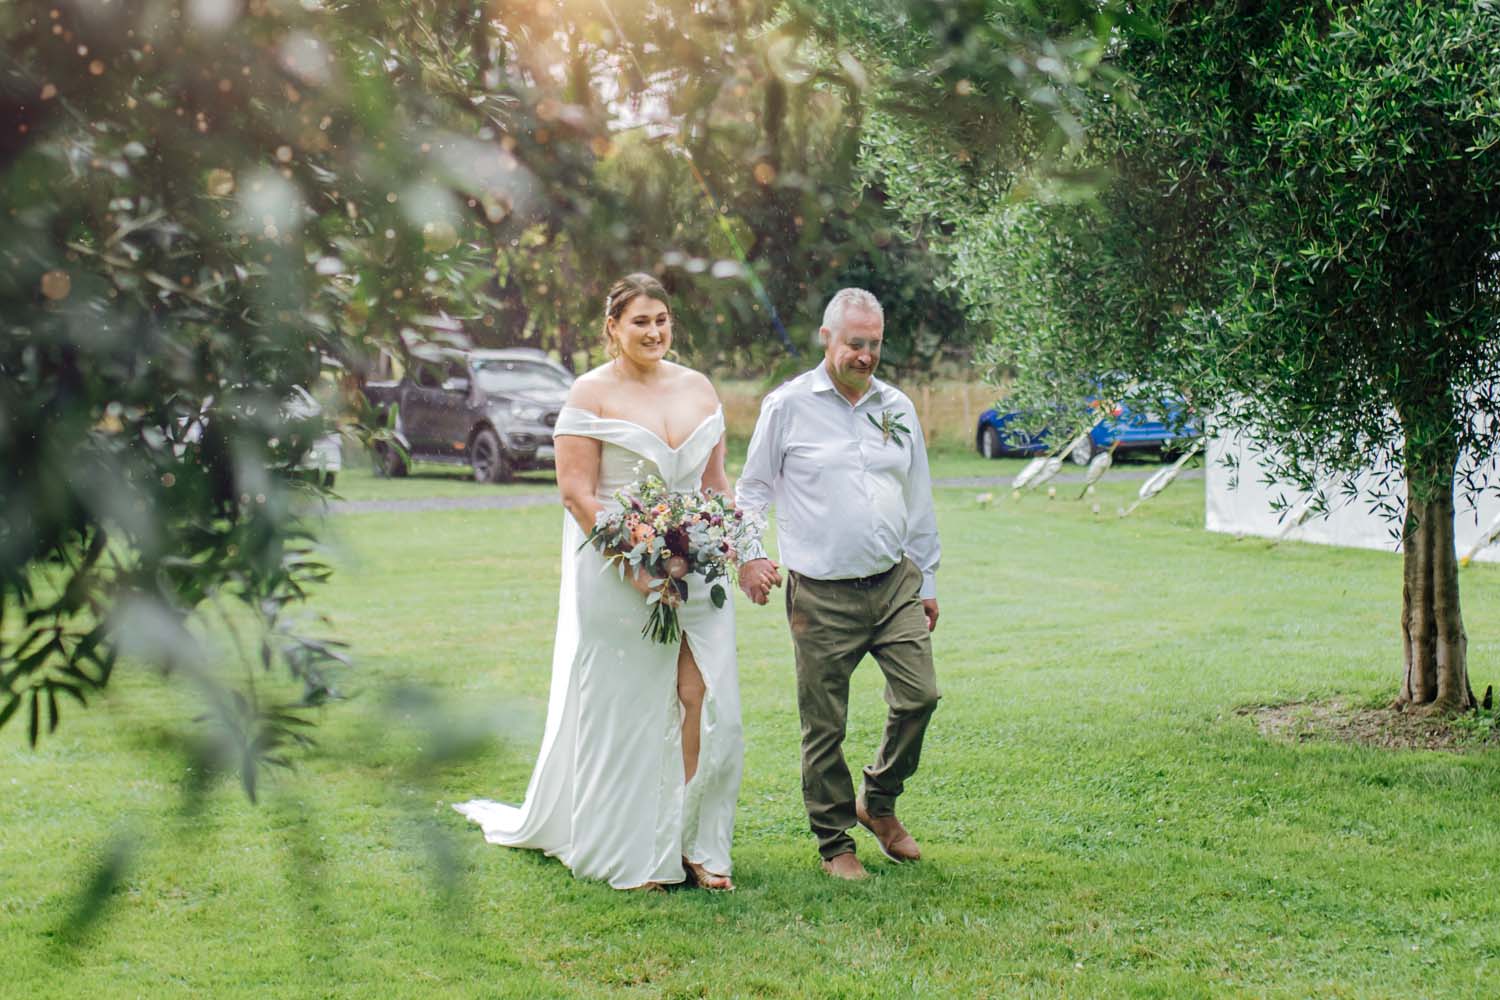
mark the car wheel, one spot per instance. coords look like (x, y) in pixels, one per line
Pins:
(488, 458)
(989, 443)
(1083, 453)
(388, 462)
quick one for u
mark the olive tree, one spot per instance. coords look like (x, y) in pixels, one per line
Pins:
(1368, 296)
(1297, 226)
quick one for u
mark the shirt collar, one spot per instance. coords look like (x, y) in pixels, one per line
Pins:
(823, 382)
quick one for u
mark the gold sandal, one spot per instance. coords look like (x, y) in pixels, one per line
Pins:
(704, 879)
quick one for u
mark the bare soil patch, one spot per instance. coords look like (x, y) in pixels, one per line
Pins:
(1338, 721)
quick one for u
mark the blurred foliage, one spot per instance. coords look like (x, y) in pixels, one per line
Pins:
(981, 103)
(206, 205)
(729, 169)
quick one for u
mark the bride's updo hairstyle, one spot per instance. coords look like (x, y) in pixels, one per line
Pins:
(624, 292)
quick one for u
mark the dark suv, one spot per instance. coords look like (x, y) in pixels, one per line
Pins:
(492, 410)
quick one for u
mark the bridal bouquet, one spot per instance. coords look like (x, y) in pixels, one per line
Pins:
(670, 535)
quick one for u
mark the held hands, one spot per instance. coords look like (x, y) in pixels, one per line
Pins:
(757, 577)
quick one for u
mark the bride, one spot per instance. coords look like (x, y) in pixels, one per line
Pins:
(641, 757)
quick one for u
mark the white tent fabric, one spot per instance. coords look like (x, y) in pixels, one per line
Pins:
(1245, 508)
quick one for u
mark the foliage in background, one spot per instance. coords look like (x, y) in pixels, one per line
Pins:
(981, 104)
(728, 168)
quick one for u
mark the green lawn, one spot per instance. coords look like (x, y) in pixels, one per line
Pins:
(1098, 820)
(358, 480)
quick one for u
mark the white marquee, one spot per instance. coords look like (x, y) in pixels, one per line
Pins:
(1245, 507)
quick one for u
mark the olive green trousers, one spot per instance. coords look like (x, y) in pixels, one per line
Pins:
(834, 624)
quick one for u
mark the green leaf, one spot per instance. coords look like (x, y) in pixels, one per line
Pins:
(73, 689)
(248, 775)
(716, 595)
(9, 709)
(31, 662)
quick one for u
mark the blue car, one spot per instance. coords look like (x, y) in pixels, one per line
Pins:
(1120, 428)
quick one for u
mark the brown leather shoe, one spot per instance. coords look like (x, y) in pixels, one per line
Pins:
(845, 866)
(895, 843)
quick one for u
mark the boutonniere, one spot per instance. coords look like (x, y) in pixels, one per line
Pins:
(890, 426)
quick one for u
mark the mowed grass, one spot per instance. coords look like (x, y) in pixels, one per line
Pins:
(428, 480)
(1097, 819)
(359, 481)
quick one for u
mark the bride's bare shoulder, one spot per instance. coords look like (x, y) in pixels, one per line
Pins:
(693, 381)
(591, 389)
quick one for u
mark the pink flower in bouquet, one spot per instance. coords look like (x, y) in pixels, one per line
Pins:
(641, 533)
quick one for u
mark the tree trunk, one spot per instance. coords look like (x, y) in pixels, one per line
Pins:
(1435, 648)
(567, 344)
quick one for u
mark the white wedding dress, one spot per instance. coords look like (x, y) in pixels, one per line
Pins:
(607, 796)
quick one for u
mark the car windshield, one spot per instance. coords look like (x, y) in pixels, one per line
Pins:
(512, 376)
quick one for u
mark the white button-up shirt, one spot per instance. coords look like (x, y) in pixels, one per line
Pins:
(849, 502)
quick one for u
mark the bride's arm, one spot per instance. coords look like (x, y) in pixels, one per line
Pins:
(578, 482)
(577, 457)
(578, 477)
(714, 476)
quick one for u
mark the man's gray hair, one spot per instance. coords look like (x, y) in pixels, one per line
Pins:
(843, 300)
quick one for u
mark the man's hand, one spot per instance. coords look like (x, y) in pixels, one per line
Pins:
(757, 577)
(929, 606)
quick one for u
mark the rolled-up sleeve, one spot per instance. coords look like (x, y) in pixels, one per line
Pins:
(922, 545)
(757, 483)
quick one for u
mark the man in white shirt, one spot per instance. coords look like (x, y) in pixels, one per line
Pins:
(841, 455)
